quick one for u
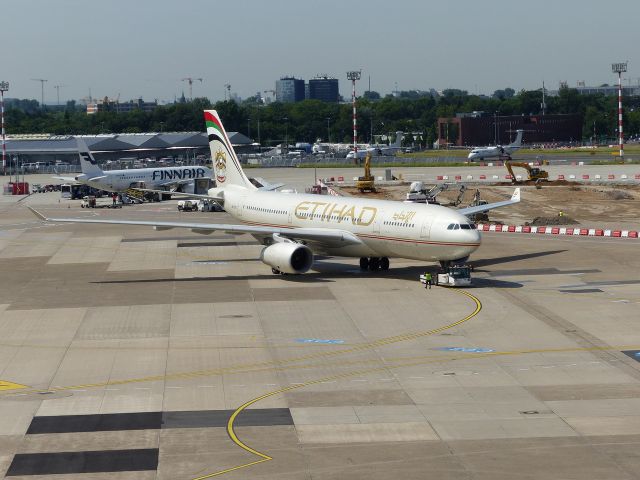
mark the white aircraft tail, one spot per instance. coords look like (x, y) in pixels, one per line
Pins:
(398, 141)
(226, 165)
(518, 141)
(88, 164)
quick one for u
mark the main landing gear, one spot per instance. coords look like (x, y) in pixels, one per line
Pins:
(374, 263)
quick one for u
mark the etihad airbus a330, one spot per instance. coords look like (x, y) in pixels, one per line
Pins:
(294, 227)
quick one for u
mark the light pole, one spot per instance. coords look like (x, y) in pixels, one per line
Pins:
(328, 130)
(620, 68)
(354, 76)
(286, 134)
(41, 80)
(4, 87)
(259, 141)
(58, 87)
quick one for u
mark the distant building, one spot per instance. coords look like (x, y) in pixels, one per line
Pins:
(477, 129)
(111, 105)
(324, 88)
(289, 89)
(608, 90)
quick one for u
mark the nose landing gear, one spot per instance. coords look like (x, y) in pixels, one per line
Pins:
(374, 263)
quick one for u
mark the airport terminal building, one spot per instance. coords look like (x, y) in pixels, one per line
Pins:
(63, 148)
(480, 128)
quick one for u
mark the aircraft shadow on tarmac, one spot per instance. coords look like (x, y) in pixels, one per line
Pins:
(513, 258)
(324, 271)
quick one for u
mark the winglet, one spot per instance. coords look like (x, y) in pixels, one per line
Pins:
(516, 195)
(38, 214)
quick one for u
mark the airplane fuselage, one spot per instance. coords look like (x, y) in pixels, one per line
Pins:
(385, 228)
(491, 152)
(121, 180)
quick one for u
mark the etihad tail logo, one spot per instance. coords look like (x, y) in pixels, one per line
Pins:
(221, 166)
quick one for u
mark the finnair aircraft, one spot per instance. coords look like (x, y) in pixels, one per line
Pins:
(121, 180)
(498, 150)
(294, 227)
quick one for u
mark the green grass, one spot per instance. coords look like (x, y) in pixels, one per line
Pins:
(389, 165)
(629, 149)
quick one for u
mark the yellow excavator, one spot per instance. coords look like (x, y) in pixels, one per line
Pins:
(366, 183)
(535, 174)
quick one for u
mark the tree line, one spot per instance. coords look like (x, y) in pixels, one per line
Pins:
(310, 120)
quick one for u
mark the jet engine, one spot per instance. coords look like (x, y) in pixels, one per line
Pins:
(287, 257)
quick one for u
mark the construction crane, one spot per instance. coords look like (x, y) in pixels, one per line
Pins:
(535, 174)
(366, 183)
(190, 81)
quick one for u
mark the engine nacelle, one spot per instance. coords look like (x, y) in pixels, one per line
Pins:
(288, 257)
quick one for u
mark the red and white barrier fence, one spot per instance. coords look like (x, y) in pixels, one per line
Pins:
(571, 177)
(568, 231)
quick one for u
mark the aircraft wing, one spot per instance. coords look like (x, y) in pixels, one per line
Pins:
(180, 194)
(272, 186)
(66, 179)
(95, 179)
(515, 198)
(322, 236)
(177, 183)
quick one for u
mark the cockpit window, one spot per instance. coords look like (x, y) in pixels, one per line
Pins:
(450, 227)
(474, 226)
(465, 226)
(456, 227)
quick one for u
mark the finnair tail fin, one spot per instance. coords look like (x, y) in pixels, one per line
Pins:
(88, 164)
(225, 162)
(398, 142)
(518, 141)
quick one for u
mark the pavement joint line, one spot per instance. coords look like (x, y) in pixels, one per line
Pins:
(263, 456)
(239, 368)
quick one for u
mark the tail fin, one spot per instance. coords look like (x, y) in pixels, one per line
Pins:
(518, 141)
(398, 142)
(225, 162)
(88, 164)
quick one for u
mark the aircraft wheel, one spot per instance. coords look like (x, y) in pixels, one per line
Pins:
(384, 263)
(374, 264)
(364, 263)
(275, 271)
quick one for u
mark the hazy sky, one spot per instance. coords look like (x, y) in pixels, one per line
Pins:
(145, 47)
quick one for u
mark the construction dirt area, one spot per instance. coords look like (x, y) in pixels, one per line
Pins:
(588, 205)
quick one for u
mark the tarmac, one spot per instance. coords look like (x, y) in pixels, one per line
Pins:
(127, 353)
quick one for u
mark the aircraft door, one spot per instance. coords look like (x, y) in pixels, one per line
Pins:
(425, 231)
(376, 222)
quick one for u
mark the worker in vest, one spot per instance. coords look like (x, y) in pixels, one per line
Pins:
(427, 280)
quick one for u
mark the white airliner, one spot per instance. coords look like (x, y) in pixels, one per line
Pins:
(498, 150)
(374, 150)
(121, 180)
(294, 227)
